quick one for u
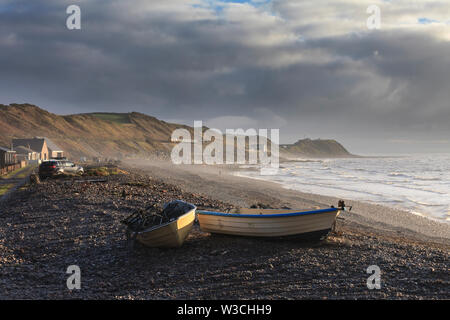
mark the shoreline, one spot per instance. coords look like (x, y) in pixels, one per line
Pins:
(221, 182)
(387, 207)
(408, 204)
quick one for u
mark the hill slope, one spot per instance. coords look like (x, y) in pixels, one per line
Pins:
(96, 134)
(314, 148)
(118, 135)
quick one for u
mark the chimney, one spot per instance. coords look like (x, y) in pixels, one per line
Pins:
(12, 146)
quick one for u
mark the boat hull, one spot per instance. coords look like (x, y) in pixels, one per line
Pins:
(316, 223)
(168, 235)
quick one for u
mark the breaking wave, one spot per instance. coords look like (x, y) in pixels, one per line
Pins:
(419, 184)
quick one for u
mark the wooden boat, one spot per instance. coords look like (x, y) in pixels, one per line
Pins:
(170, 234)
(270, 222)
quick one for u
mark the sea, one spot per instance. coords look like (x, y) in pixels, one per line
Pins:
(417, 183)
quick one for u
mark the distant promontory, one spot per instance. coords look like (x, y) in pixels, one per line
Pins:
(317, 148)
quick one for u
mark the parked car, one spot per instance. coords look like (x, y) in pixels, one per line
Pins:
(50, 169)
(71, 167)
(56, 167)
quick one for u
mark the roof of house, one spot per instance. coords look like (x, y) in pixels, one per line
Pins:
(4, 149)
(23, 150)
(35, 144)
(50, 144)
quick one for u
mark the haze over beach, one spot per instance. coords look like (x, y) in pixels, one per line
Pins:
(112, 110)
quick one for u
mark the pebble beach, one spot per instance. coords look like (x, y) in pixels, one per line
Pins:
(44, 228)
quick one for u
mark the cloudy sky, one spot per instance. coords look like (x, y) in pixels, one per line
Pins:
(311, 68)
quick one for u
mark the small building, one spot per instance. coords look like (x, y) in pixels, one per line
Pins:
(38, 145)
(54, 151)
(7, 157)
(26, 154)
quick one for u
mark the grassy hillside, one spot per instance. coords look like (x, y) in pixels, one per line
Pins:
(96, 134)
(314, 148)
(113, 117)
(118, 135)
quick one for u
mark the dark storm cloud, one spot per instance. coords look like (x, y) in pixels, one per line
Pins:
(184, 60)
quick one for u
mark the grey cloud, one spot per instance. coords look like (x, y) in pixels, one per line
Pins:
(191, 64)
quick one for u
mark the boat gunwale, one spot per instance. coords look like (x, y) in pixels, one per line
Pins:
(153, 228)
(275, 215)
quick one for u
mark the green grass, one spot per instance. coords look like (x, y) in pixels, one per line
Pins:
(25, 172)
(113, 117)
(9, 175)
(103, 171)
(12, 173)
(5, 188)
(21, 173)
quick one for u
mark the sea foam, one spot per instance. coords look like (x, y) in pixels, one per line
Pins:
(419, 184)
